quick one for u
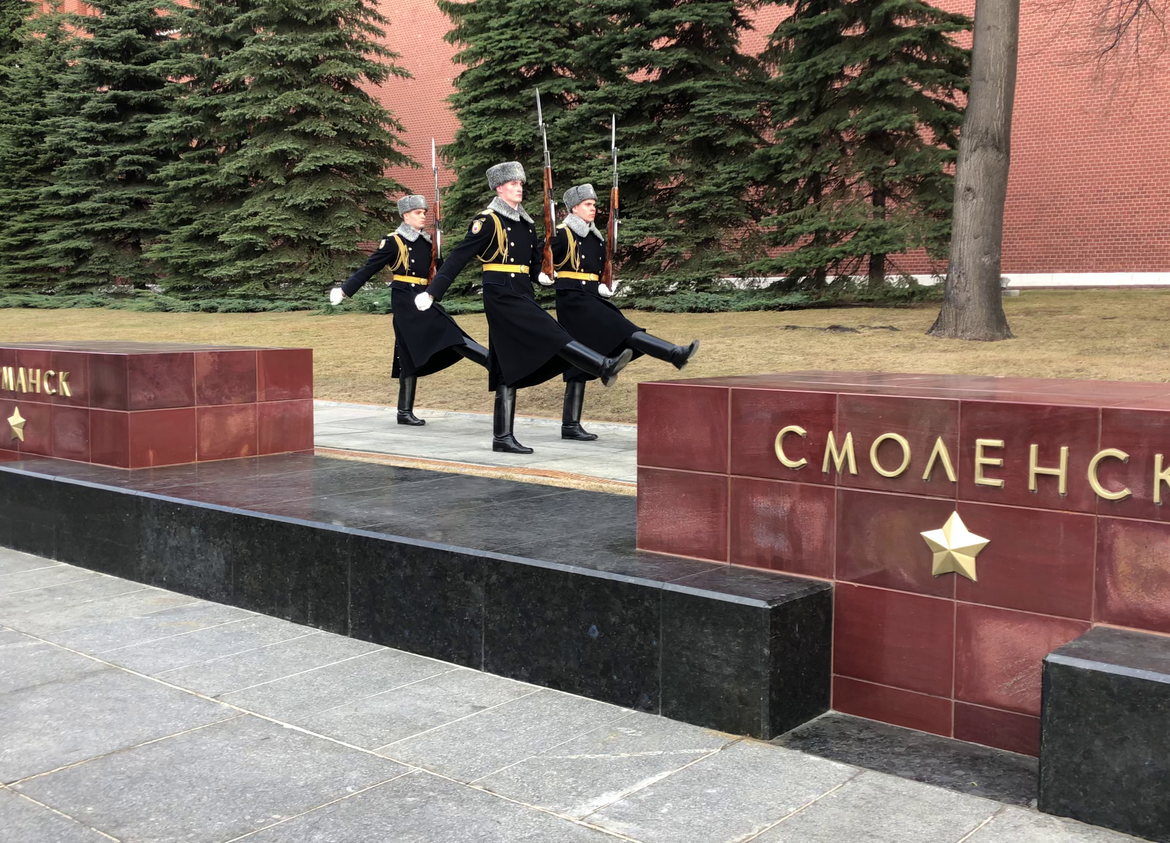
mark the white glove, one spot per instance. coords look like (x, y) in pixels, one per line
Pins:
(544, 280)
(424, 300)
(335, 296)
(603, 291)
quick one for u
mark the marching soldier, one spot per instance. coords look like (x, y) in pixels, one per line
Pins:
(579, 256)
(424, 343)
(527, 345)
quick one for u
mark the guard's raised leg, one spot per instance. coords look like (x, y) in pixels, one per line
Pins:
(677, 355)
(473, 351)
(598, 365)
(406, 387)
(503, 420)
(571, 415)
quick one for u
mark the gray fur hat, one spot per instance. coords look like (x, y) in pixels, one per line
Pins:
(574, 196)
(413, 202)
(504, 173)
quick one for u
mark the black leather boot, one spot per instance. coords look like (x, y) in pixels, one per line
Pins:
(571, 416)
(677, 355)
(590, 362)
(474, 352)
(406, 414)
(502, 421)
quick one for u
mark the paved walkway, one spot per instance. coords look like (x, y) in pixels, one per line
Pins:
(134, 714)
(466, 438)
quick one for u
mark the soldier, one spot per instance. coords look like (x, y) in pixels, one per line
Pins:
(527, 345)
(424, 343)
(579, 256)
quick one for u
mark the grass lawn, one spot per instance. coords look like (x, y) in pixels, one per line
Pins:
(1116, 335)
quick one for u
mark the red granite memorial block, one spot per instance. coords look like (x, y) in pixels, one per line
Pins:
(871, 541)
(1063, 487)
(782, 526)
(998, 655)
(892, 705)
(227, 431)
(137, 405)
(689, 426)
(1040, 561)
(759, 417)
(1133, 574)
(891, 638)
(919, 421)
(1050, 428)
(994, 727)
(693, 522)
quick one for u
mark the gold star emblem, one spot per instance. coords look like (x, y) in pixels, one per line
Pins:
(17, 423)
(955, 548)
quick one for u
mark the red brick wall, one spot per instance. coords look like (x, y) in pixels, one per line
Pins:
(1090, 178)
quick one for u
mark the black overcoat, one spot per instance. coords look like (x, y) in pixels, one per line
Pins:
(581, 309)
(424, 341)
(523, 339)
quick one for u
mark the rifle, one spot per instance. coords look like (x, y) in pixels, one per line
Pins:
(550, 213)
(436, 248)
(611, 228)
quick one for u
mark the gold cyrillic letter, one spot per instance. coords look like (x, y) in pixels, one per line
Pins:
(873, 449)
(1034, 469)
(940, 451)
(839, 458)
(981, 461)
(1160, 476)
(63, 384)
(49, 388)
(1096, 484)
(799, 431)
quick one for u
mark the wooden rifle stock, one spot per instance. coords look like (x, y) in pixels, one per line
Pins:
(611, 238)
(435, 243)
(546, 265)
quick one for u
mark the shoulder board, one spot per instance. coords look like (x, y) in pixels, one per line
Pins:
(562, 225)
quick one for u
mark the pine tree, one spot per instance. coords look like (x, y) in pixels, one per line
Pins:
(313, 145)
(687, 102)
(510, 49)
(904, 102)
(865, 109)
(195, 193)
(100, 195)
(29, 77)
(12, 17)
(801, 171)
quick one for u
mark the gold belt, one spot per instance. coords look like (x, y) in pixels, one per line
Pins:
(411, 279)
(505, 267)
(579, 276)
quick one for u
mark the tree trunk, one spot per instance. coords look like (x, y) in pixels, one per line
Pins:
(973, 304)
(877, 263)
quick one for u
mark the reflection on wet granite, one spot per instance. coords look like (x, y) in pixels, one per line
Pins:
(1105, 731)
(534, 582)
(945, 762)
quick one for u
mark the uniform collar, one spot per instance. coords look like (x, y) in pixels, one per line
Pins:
(410, 233)
(504, 209)
(581, 228)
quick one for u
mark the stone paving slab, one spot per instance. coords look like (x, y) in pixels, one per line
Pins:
(93, 752)
(467, 438)
(27, 821)
(219, 676)
(75, 718)
(730, 795)
(210, 784)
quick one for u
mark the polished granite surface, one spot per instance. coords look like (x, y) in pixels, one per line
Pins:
(124, 346)
(945, 762)
(1069, 391)
(1105, 744)
(531, 582)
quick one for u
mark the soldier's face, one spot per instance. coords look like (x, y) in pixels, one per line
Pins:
(511, 192)
(587, 210)
(416, 219)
